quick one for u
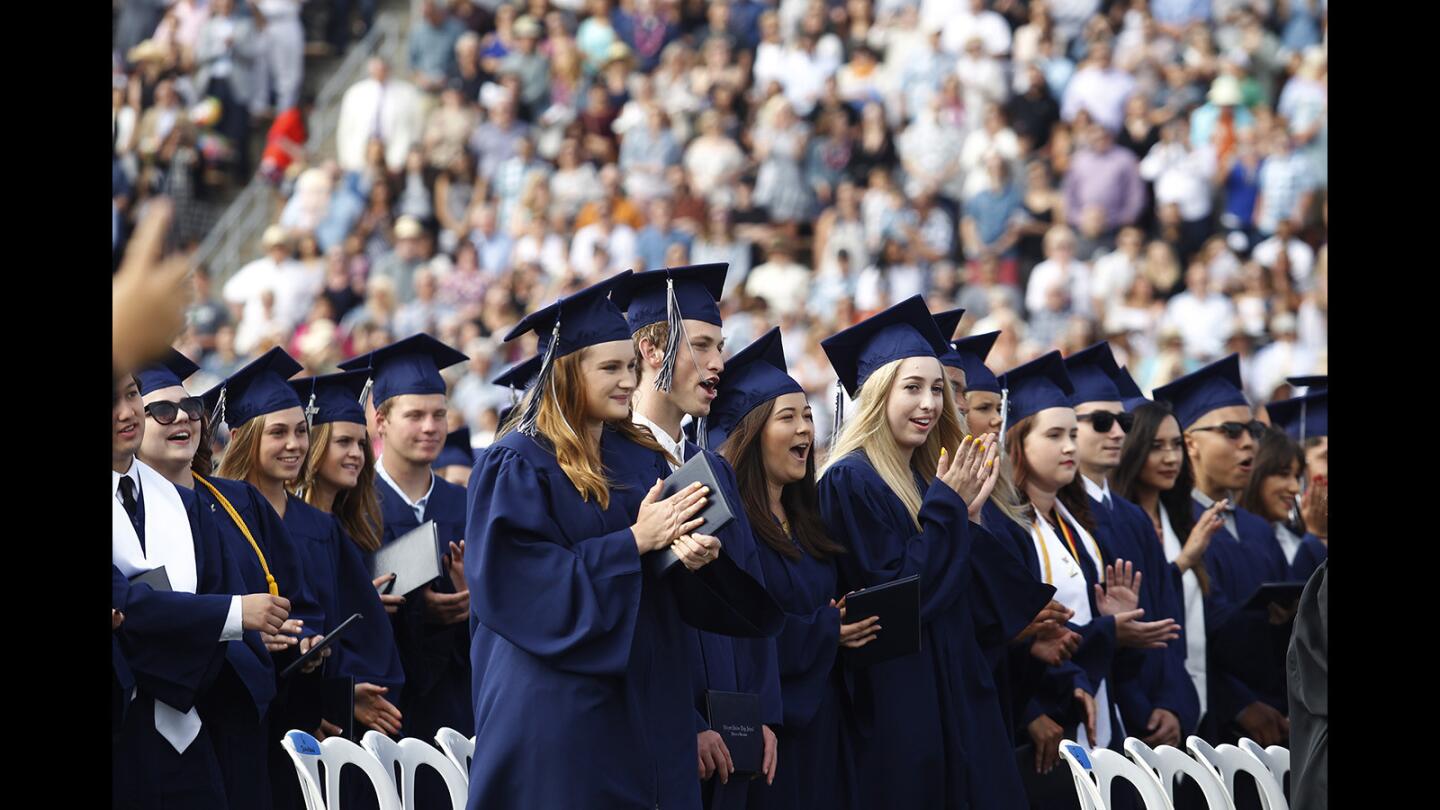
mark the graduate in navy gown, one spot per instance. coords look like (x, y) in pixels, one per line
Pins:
(431, 627)
(202, 676)
(1156, 699)
(674, 317)
(982, 391)
(177, 446)
(1154, 473)
(761, 423)
(456, 458)
(899, 492)
(1304, 530)
(1246, 674)
(581, 677)
(1044, 511)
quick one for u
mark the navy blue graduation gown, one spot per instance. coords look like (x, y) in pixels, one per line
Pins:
(1148, 679)
(1308, 557)
(920, 729)
(581, 681)
(121, 679)
(1245, 653)
(727, 663)
(809, 772)
(435, 657)
(170, 641)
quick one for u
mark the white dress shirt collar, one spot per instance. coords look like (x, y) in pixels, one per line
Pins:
(417, 506)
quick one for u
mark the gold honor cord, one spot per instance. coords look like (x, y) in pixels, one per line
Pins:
(1045, 553)
(235, 516)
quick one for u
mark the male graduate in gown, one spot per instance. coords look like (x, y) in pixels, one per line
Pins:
(1156, 698)
(1246, 674)
(193, 648)
(431, 628)
(674, 316)
(1306, 419)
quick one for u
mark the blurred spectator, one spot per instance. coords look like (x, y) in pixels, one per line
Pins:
(1061, 283)
(655, 239)
(1106, 178)
(379, 107)
(281, 69)
(1098, 88)
(432, 46)
(1286, 185)
(1202, 315)
(780, 281)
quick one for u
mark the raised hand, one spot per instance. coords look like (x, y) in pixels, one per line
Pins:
(1122, 588)
(1200, 534)
(1315, 507)
(1131, 632)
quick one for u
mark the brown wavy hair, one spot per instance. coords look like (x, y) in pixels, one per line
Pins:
(358, 508)
(242, 454)
(744, 450)
(561, 415)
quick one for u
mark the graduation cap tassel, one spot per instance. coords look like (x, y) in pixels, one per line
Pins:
(365, 392)
(702, 438)
(1302, 420)
(531, 413)
(1004, 417)
(310, 409)
(839, 414)
(666, 378)
(218, 415)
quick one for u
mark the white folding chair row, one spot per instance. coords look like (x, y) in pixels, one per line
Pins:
(376, 757)
(1226, 760)
(1276, 758)
(1095, 773)
(458, 749)
(1166, 764)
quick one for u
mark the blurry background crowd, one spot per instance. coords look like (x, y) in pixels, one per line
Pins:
(1151, 173)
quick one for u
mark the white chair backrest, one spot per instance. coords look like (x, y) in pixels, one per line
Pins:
(411, 753)
(1167, 763)
(337, 752)
(1228, 760)
(1108, 766)
(459, 750)
(1276, 758)
(304, 751)
(1078, 760)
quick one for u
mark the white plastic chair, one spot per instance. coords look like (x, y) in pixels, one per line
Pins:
(1166, 763)
(335, 753)
(459, 750)
(1109, 765)
(411, 754)
(1078, 759)
(1227, 760)
(1276, 758)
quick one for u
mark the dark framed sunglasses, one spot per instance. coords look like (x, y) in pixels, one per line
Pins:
(164, 411)
(1232, 430)
(1102, 421)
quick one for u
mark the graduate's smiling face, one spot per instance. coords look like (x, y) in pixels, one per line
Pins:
(414, 426)
(984, 415)
(610, 373)
(127, 425)
(1220, 461)
(916, 397)
(956, 378)
(1278, 493)
(787, 439)
(1167, 454)
(1050, 449)
(345, 455)
(283, 444)
(173, 444)
(696, 381)
(1096, 450)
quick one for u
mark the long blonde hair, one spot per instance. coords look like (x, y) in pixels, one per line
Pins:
(869, 431)
(561, 417)
(242, 454)
(357, 509)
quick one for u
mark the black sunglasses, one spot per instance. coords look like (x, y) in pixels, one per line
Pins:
(1232, 430)
(1102, 421)
(165, 411)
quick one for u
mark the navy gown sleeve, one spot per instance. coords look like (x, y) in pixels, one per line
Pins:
(1308, 557)
(367, 650)
(854, 503)
(807, 647)
(284, 561)
(572, 606)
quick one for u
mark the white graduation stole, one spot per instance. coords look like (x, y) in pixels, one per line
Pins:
(168, 543)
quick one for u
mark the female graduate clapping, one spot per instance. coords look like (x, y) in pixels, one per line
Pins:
(580, 671)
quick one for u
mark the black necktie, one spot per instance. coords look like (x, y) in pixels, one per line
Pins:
(132, 508)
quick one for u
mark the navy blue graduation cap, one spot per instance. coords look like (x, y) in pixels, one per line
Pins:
(672, 295)
(586, 318)
(1215, 386)
(1037, 385)
(904, 330)
(333, 397)
(1130, 395)
(972, 352)
(167, 372)
(1302, 417)
(409, 366)
(255, 390)
(948, 321)
(1095, 374)
(517, 378)
(1315, 383)
(754, 376)
(457, 450)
